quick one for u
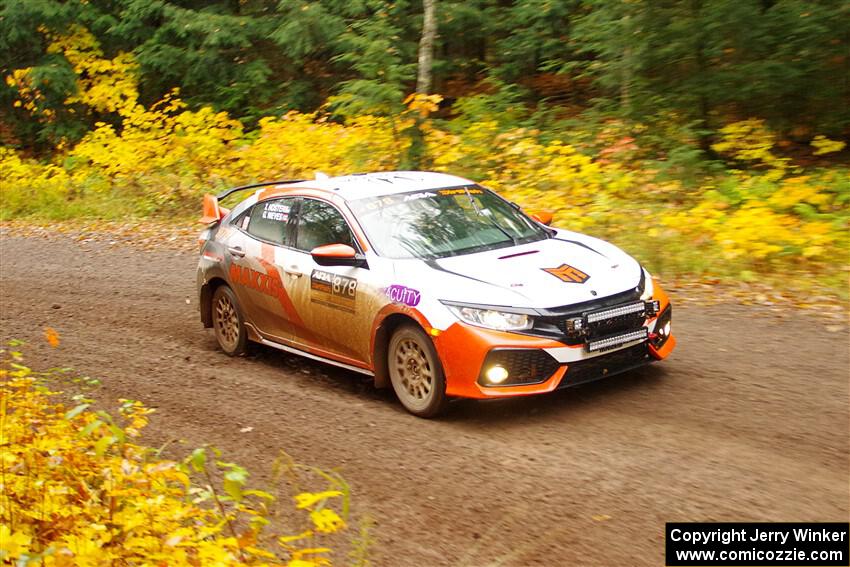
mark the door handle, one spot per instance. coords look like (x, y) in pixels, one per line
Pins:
(236, 251)
(293, 271)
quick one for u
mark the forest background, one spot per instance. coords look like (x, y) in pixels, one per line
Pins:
(707, 137)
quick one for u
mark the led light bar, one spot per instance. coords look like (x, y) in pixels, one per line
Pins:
(637, 307)
(617, 340)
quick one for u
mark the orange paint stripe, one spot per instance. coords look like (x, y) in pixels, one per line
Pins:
(267, 261)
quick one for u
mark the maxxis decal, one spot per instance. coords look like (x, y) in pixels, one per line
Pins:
(258, 281)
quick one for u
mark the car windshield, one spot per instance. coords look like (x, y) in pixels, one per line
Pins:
(443, 222)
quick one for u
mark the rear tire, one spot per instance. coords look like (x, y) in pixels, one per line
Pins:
(227, 322)
(416, 372)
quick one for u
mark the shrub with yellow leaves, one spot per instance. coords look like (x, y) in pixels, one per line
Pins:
(78, 489)
(750, 141)
(104, 85)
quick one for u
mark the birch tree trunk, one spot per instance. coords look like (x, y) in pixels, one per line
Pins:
(426, 47)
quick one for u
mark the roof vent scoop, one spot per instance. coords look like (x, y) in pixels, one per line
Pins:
(321, 176)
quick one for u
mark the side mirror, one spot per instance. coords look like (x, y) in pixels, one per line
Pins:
(543, 217)
(338, 255)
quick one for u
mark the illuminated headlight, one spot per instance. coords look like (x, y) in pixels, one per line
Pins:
(491, 319)
(665, 330)
(496, 374)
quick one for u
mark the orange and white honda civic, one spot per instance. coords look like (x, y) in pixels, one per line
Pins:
(427, 282)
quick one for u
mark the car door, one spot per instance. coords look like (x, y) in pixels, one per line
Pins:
(330, 300)
(254, 249)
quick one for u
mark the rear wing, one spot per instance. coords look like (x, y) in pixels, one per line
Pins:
(213, 212)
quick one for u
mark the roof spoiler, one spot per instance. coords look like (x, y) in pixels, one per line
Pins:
(213, 212)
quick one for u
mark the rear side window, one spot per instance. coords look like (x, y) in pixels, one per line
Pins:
(320, 223)
(269, 220)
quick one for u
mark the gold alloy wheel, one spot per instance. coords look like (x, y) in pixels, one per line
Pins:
(412, 369)
(226, 323)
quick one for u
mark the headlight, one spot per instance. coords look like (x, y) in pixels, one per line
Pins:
(491, 319)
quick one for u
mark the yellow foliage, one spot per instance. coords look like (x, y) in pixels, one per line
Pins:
(824, 145)
(751, 141)
(77, 490)
(164, 157)
(29, 97)
(105, 85)
(297, 145)
(423, 104)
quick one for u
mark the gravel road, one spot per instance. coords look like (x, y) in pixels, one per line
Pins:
(748, 420)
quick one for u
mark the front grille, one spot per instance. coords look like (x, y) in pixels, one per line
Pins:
(524, 366)
(552, 322)
(624, 318)
(605, 365)
(595, 304)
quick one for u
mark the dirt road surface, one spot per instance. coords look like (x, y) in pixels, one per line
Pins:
(747, 421)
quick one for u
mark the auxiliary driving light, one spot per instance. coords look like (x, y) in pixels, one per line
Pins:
(496, 374)
(652, 307)
(575, 325)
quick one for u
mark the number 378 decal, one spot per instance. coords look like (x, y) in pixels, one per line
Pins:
(333, 290)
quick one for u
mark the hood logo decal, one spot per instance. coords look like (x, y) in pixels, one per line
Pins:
(568, 274)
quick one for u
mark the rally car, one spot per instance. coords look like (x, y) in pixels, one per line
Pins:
(430, 283)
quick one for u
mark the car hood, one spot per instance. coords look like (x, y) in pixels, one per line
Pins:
(567, 269)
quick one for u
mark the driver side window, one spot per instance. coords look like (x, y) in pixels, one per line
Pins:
(268, 220)
(320, 223)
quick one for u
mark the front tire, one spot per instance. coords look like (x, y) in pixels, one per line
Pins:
(227, 322)
(416, 372)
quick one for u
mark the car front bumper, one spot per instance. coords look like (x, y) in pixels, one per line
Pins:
(541, 364)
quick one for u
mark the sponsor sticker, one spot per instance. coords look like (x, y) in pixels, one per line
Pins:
(568, 274)
(459, 191)
(268, 284)
(417, 196)
(277, 210)
(392, 200)
(333, 290)
(405, 295)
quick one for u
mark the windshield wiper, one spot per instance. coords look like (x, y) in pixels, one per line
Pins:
(488, 216)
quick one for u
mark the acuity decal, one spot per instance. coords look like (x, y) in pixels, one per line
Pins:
(402, 294)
